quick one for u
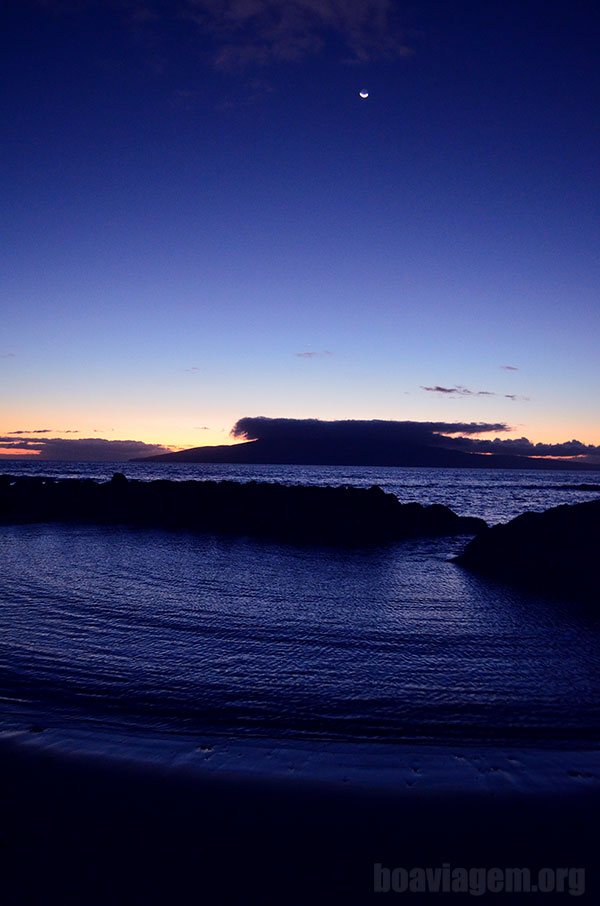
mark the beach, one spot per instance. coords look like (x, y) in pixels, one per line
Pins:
(86, 828)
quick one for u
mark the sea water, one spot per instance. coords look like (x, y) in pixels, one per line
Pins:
(167, 632)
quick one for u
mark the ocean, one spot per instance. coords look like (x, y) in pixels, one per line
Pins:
(148, 633)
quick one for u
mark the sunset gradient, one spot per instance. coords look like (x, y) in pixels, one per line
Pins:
(200, 233)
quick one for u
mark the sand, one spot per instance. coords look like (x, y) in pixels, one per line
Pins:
(287, 824)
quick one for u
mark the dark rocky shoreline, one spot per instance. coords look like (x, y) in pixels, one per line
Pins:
(342, 515)
(555, 551)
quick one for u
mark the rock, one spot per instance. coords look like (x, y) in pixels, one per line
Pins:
(343, 515)
(556, 550)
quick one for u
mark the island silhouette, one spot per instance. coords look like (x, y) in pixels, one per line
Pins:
(287, 441)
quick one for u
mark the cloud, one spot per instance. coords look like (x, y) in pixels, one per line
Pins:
(459, 390)
(194, 369)
(521, 446)
(45, 431)
(251, 33)
(260, 32)
(509, 367)
(298, 430)
(91, 449)
(438, 389)
(7, 355)
(202, 428)
(313, 355)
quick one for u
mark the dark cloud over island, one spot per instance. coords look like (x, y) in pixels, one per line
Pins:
(521, 446)
(308, 429)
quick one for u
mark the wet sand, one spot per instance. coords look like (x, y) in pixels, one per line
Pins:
(87, 829)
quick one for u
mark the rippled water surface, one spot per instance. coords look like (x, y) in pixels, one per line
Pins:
(178, 632)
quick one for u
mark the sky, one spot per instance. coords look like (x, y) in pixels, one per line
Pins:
(204, 221)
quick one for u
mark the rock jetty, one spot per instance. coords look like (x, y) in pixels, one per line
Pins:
(338, 515)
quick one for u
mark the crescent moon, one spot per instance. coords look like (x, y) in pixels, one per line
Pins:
(363, 94)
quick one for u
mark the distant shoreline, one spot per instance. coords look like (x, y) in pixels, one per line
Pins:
(263, 453)
(516, 464)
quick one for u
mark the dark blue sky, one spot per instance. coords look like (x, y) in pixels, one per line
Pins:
(195, 194)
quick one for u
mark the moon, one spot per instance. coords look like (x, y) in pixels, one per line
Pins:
(363, 94)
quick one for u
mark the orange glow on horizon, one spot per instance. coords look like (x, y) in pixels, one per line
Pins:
(30, 454)
(178, 430)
